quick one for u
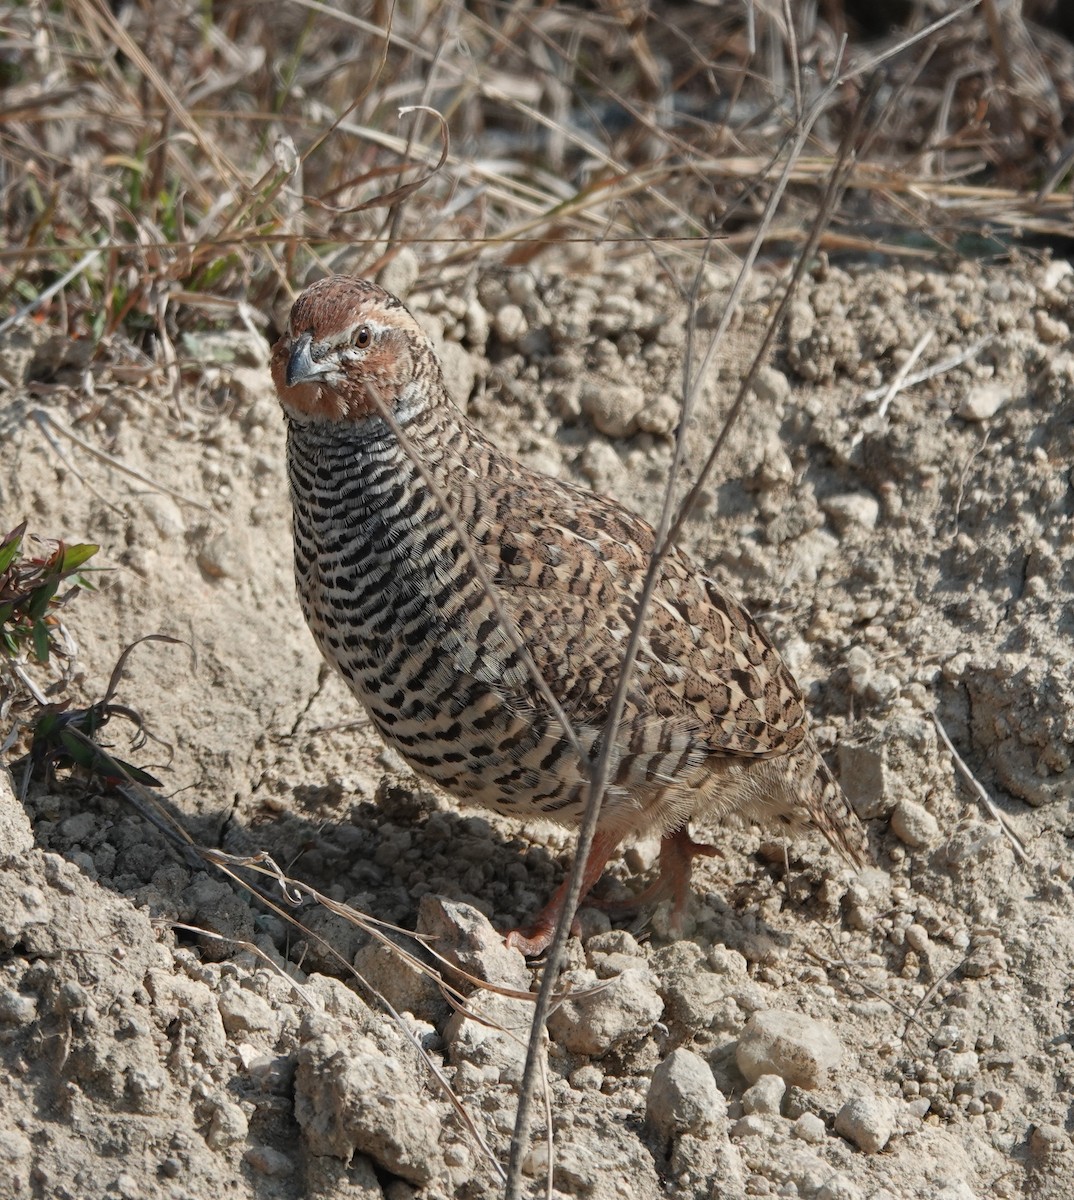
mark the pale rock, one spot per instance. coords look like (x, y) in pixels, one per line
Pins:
(983, 401)
(614, 408)
(477, 326)
(466, 938)
(228, 1125)
(164, 515)
(460, 372)
(400, 273)
(16, 832)
(765, 1096)
(810, 1129)
(852, 509)
(957, 1064)
(771, 386)
(1055, 273)
(266, 1160)
(868, 1121)
(838, 1187)
(863, 775)
(1048, 1141)
(494, 1037)
(243, 1011)
(621, 1010)
(752, 1125)
(797, 1048)
(683, 1097)
(351, 1098)
(509, 324)
(860, 667)
(914, 825)
(660, 416)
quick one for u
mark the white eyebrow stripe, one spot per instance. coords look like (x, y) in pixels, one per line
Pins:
(342, 337)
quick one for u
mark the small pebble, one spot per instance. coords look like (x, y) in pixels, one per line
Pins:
(765, 1096)
(838, 1187)
(267, 1161)
(1047, 1140)
(753, 1125)
(852, 509)
(683, 1097)
(914, 825)
(622, 1011)
(983, 401)
(509, 324)
(867, 1121)
(400, 273)
(810, 1128)
(794, 1047)
(917, 938)
(864, 777)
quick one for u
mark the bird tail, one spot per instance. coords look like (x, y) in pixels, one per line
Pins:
(829, 810)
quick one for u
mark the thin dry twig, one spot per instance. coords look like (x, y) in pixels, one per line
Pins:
(901, 374)
(45, 421)
(936, 369)
(1008, 829)
(667, 530)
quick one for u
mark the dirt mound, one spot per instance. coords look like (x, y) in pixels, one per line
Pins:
(912, 550)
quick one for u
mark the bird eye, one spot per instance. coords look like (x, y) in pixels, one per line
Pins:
(363, 335)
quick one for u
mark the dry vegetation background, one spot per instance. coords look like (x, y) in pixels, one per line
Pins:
(171, 175)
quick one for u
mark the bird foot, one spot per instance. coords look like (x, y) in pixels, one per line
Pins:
(677, 853)
(538, 937)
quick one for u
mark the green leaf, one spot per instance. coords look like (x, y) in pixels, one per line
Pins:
(8, 551)
(75, 556)
(79, 751)
(137, 774)
(41, 641)
(38, 605)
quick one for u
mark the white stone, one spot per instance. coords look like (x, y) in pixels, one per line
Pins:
(400, 273)
(983, 401)
(852, 508)
(621, 1010)
(914, 825)
(810, 1129)
(613, 408)
(797, 1048)
(494, 1037)
(765, 1096)
(868, 1121)
(16, 832)
(683, 1097)
(838, 1187)
(509, 324)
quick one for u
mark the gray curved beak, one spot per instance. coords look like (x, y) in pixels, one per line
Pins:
(300, 366)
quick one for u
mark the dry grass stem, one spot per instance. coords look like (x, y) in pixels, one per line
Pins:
(898, 382)
(1008, 829)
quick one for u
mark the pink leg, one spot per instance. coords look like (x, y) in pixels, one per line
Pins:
(677, 853)
(538, 937)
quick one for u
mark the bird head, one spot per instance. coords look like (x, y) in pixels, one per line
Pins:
(347, 344)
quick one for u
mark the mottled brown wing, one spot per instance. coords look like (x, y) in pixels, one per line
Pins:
(569, 568)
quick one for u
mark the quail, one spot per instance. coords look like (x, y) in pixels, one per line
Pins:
(393, 588)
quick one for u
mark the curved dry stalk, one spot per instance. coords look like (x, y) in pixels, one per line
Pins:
(293, 892)
(666, 531)
(45, 420)
(1011, 834)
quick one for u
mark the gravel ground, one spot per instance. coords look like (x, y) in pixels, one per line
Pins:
(902, 1032)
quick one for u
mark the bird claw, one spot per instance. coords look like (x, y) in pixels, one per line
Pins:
(539, 936)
